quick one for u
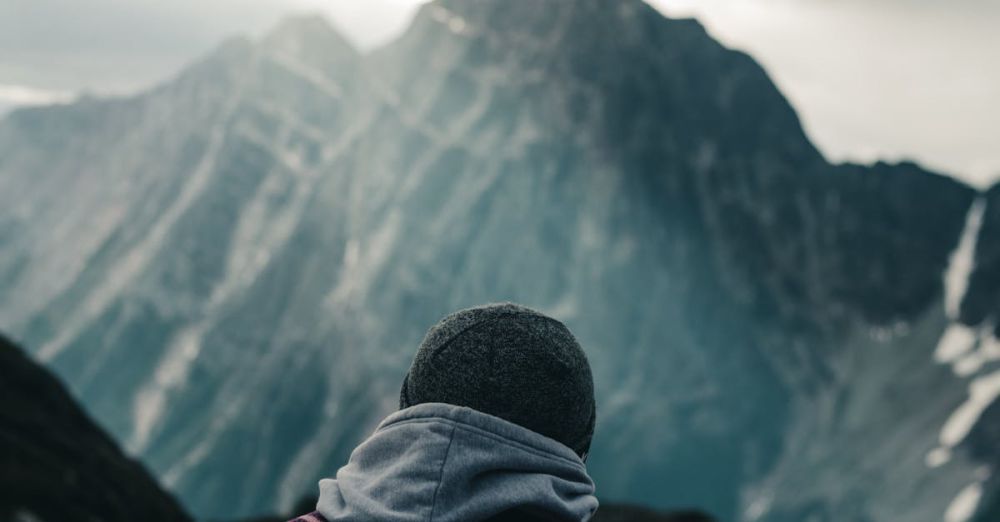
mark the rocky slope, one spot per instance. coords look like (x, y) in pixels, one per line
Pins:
(56, 464)
(232, 270)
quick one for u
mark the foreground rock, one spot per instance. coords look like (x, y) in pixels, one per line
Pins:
(57, 465)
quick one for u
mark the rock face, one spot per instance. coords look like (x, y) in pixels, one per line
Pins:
(233, 270)
(56, 464)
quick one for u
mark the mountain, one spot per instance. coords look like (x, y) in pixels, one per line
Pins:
(233, 270)
(56, 464)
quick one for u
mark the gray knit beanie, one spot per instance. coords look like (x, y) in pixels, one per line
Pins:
(510, 362)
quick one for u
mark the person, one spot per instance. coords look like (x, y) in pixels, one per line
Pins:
(496, 418)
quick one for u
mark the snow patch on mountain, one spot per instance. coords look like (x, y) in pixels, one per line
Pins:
(171, 373)
(962, 261)
(964, 506)
(967, 349)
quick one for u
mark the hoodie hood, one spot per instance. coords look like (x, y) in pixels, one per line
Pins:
(441, 463)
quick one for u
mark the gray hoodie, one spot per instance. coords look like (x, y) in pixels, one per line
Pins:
(443, 463)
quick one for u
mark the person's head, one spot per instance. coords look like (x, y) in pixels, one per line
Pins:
(511, 362)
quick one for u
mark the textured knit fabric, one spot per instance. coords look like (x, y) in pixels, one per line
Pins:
(445, 463)
(511, 362)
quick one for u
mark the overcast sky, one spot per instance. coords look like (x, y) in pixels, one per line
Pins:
(871, 79)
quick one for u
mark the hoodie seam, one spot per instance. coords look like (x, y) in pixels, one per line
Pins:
(440, 480)
(498, 438)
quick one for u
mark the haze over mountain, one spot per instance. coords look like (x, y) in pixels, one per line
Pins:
(233, 270)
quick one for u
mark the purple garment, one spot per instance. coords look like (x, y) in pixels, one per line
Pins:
(311, 517)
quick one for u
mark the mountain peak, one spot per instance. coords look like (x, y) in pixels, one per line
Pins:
(311, 37)
(539, 17)
(535, 29)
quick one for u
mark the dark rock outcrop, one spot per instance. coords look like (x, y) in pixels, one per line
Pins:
(56, 464)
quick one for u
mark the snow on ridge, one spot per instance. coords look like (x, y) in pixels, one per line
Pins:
(959, 342)
(171, 373)
(966, 349)
(965, 503)
(982, 392)
(956, 341)
(362, 261)
(962, 261)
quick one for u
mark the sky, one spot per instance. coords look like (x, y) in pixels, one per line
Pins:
(885, 79)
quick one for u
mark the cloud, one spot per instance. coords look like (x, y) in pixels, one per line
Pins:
(14, 96)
